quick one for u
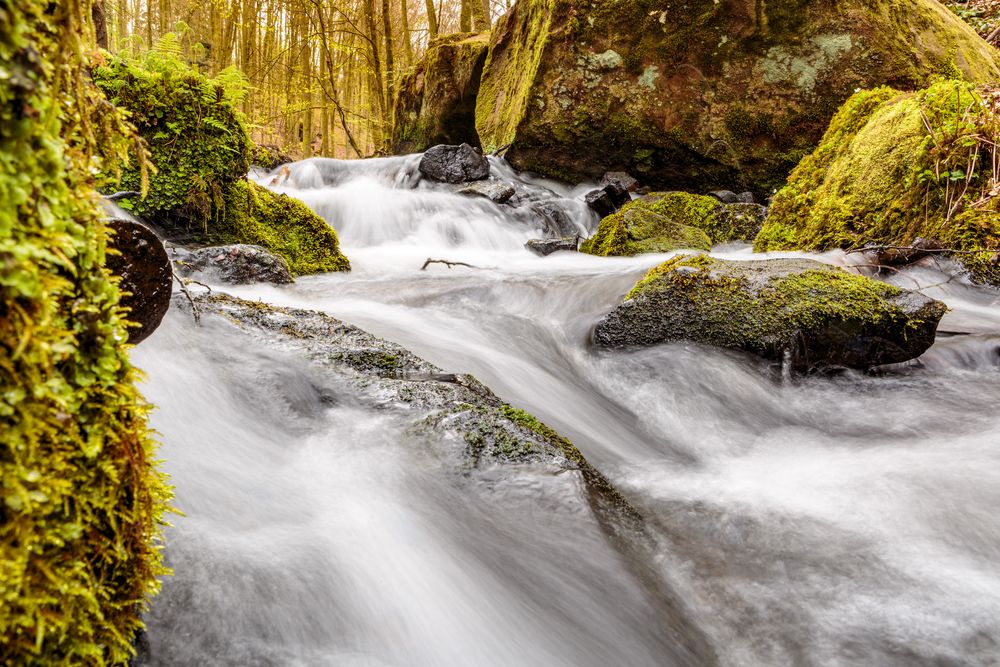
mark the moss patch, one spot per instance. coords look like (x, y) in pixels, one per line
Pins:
(81, 501)
(893, 167)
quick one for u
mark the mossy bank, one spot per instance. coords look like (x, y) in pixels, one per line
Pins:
(894, 167)
(81, 500)
(199, 145)
(702, 94)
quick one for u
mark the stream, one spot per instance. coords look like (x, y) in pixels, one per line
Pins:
(845, 520)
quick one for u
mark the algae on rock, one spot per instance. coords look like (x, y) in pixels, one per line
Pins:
(82, 501)
(199, 145)
(894, 167)
(703, 94)
(436, 102)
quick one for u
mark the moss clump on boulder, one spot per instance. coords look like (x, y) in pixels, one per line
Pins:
(816, 314)
(80, 498)
(702, 94)
(436, 103)
(201, 150)
(668, 221)
(894, 167)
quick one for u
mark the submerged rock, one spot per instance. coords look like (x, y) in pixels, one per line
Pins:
(815, 314)
(874, 179)
(554, 220)
(142, 264)
(437, 98)
(234, 264)
(546, 247)
(454, 164)
(701, 95)
(496, 191)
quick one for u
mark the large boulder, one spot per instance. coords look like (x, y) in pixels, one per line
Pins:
(667, 221)
(813, 314)
(436, 103)
(897, 167)
(201, 150)
(454, 164)
(705, 94)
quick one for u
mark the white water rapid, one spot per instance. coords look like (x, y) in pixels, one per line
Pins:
(848, 520)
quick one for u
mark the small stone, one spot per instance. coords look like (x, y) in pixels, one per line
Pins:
(607, 199)
(730, 197)
(546, 247)
(494, 190)
(622, 178)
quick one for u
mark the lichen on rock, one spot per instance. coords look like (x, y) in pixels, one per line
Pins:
(894, 167)
(815, 314)
(708, 94)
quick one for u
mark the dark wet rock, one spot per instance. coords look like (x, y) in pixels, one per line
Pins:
(741, 222)
(554, 220)
(237, 264)
(816, 315)
(495, 190)
(546, 247)
(729, 197)
(904, 255)
(146, 276)
(623, 178)
(454, 164)
(608, 199)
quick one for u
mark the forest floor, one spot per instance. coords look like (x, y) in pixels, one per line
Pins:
(982, 15)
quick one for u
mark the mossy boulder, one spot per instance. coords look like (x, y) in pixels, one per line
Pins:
(81, 500)
(813, 314)
(436, 103)
(896, 167)
(672, 220)
(702, 94)
(201, 150)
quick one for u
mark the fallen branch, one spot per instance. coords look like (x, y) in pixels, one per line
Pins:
(184, 282)
(447, 263)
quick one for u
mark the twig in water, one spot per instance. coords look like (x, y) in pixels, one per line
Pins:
(447, 263)
(184, 282)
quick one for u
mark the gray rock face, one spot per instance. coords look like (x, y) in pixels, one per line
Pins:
(554, 220)
(813, 314)
(622, 178)
(546, 247)
(454, 164)
(146, 276)
(729, 197)
(236, 264)
(495, 190)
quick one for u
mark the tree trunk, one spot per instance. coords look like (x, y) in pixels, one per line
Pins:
(404, 17)
(389, 65)
(100, 17)
(465, 18)
(432, 22)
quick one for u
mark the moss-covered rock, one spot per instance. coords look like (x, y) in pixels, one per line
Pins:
(667, 221)
(201, 150)
(701, 94)
(436, 103)
(80, 498)
(815, 314)
(894, 167)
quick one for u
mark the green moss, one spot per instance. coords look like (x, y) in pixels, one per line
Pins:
(762, 306)
(893, 167)
(531, 423)
(81, 502)
(195, 137)
(283, 225)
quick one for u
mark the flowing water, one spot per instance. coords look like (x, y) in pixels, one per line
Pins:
(846, 520)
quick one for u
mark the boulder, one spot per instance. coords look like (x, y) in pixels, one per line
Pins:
(701, 94)
(454, 164)
(622, 178)
(879, 178)
(666, 221)
(495, 190)
(142, 265)
(545, 247)
(436, 103)
(237, 264)
(812, 314)
(730, 197)
(608, 199)
(268, 157)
